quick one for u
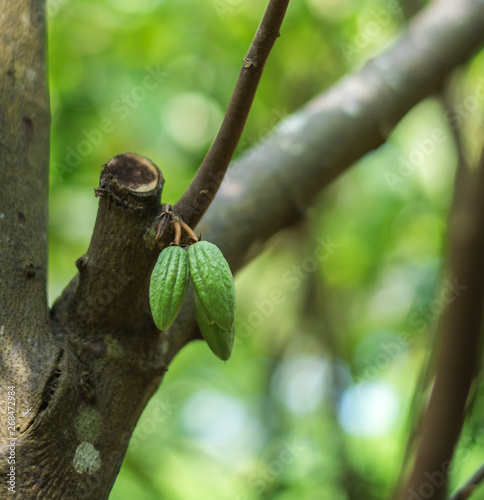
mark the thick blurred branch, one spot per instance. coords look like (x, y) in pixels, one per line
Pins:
(270, 186)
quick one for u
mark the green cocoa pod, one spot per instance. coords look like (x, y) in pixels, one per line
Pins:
(213, 283)
(219, 340)
(168, 285)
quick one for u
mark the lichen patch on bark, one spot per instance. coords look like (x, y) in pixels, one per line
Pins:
(87, 423)
(86, 459)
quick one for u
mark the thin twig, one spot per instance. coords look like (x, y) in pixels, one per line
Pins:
(189, 231)
(466, 490)
(197, 198)
(178, 232)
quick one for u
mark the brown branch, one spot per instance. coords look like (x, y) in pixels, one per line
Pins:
(465, 491)
(201, 191)
(113, 357)
(459, 337)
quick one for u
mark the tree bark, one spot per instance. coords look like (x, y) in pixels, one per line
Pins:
(29, 352)
(83, 375)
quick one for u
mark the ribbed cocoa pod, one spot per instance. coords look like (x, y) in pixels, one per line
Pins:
(168, 285)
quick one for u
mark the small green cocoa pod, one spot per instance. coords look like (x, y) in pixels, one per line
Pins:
(219, 340)
(213, 282)
(168, 285)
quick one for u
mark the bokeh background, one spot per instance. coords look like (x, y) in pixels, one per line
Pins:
(336, 318)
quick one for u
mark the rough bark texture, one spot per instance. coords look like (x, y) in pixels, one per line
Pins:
(84, 375)
(29, 351)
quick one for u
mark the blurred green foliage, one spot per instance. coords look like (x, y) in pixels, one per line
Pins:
(335, 319)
